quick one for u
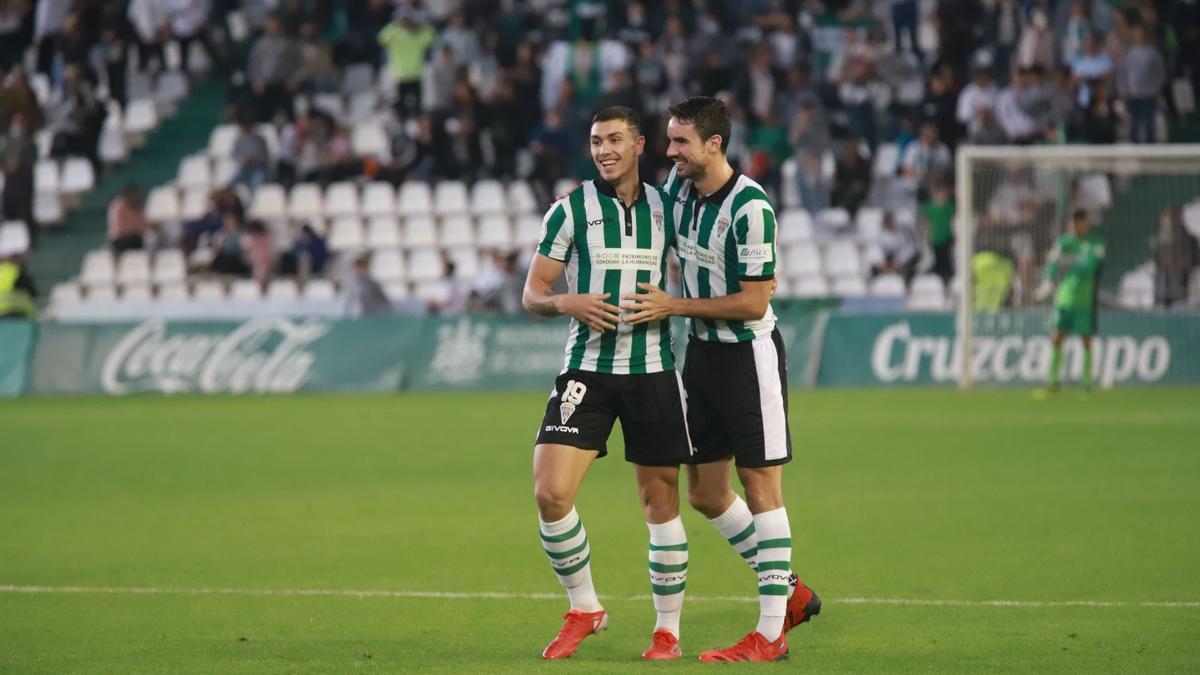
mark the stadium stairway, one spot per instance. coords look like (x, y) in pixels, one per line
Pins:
(61, 248)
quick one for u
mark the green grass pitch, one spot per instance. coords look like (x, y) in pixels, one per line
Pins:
(894, 496)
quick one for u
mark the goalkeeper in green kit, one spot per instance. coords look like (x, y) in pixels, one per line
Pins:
(1075, 264)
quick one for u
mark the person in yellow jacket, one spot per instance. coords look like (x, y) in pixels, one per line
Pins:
(16, 289)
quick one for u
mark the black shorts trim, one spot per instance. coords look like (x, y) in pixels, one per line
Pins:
(737, 401)
(584, 406)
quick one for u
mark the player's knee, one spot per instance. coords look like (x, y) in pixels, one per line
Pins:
(553, 503)
(709, 502)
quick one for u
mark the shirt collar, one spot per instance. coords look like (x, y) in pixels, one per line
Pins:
(603, 187)
(720, 195)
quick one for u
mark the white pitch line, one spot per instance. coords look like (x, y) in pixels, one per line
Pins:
(450, 595)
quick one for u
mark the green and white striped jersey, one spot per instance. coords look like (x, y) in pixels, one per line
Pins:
(610, 249)
(724, 239)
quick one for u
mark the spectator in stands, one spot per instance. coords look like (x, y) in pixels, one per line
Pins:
(809, 133)
(896, 251)
(320, 75)
(927, 156)
(1020, 126)
(1036, 47)
(363, 294)
(462, 41)
(941, 105)
(852, 176)
(550, 146)
(18, 97)
(442, 75)
(451, 297)
(229, 256)
(904, 23)
(1141, 77)
(815, 192)
(498, 287)
(149, 22)
(405, 40)
(187, 24)
(1003, 29)
(127, 224)
(15, 18)
(308, 255)
(1099, 121)
(1075, 32)
(326, 153)
(986, 130)
(1176, 256)
(979, 95)
(937, 214)
(17, 291)
(77, 119)
(1090, 65)
(769, 149)
(18, 154)
(220, 202)
(260, 251)
(410, 157)
(274, 72)
(250, 154)
(108, 56)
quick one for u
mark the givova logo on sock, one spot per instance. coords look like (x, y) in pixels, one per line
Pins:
(572, 396)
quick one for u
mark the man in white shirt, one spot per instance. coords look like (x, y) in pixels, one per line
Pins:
(979, 95)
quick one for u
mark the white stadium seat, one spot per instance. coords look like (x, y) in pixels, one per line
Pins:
(304, 201)
(246, 290)
(77, 176)
(420, 231)
(795, 225)
(319, 289)
(209, 290)
(456, 231)
(133, 268)
(810, 287)
(397, 290)
(282, 290)
(450, 197)
(1136, 291)
(466, 263)
(802, 259)
(136, 293)
(415, 199)
(341, 199)
(370, 140)
(221, 141)
(379, 199)
(169, 266)
(48, 208)
(173, 292)
(98, 269)
(849, 286)
(868, 223)
(67, 293)
(842, 258)
(270, 202)
(162, 204)
(102, 294)
(14, 238)
(195, 173)
(387, 266)
(833, 220)
(46, 176)
(141, 117)
(927, 293)
(529, 231)
(495, 232)
(887, 286)
(193, 205)
(223, 171)
(487, 197)
(425, 264)
(521, 199)
(383, 232)
(346, 234)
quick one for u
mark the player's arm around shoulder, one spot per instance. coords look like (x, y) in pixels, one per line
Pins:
(547, 266)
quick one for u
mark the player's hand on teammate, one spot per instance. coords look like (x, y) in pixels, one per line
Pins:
(591, 309)
(652, 304)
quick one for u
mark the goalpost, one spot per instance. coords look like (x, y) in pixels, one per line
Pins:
(1013, 203)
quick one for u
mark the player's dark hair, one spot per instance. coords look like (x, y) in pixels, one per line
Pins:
(619, 112)
(707, 114)
(1079, 214)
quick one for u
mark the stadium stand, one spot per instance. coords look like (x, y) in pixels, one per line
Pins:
(431, 175)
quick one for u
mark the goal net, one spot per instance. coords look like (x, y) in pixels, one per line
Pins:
(1136, 281)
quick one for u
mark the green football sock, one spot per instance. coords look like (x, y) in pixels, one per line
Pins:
(1087, 367)
(1055, 362)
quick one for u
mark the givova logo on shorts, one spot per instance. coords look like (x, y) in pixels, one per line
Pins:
(572, 396)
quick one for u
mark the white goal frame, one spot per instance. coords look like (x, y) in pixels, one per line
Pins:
(1058, 156)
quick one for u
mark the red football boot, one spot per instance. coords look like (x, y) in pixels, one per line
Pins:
(576, 626)
(664, 646)
(753, 647)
